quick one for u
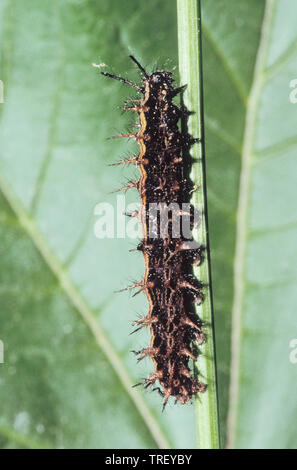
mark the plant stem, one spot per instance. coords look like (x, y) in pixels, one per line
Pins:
(190, 69)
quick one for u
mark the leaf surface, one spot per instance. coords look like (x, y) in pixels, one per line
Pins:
(263, 406)
(68, 370)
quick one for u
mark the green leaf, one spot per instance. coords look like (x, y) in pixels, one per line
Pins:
(263, 406)
(68, 370)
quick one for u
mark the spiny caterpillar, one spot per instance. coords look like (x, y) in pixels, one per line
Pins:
(168, 282)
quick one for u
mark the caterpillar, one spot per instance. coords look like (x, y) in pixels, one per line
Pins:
(169, 284)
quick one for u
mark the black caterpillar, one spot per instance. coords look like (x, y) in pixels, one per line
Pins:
(169, 284)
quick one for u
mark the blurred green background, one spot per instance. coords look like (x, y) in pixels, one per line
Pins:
(67, 374)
